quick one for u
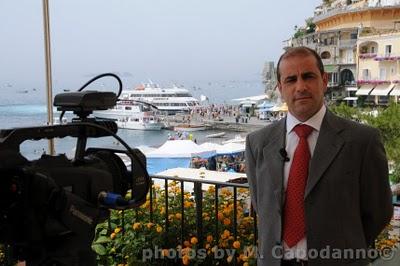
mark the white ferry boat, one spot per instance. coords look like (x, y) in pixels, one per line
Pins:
(170, 100)
(129, 114)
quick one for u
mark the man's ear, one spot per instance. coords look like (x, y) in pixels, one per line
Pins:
(280, 87)
(325, 81)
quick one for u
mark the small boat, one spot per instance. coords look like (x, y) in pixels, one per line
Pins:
(140, 122)
(189, 128)
(216, 135)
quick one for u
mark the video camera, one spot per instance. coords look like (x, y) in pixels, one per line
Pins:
(49, 207)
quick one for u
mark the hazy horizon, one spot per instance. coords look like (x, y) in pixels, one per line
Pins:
(175, 41)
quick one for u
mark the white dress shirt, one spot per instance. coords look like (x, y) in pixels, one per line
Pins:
(299, 251)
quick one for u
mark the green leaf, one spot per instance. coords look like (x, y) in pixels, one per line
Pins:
(99, 249)
(102, 239)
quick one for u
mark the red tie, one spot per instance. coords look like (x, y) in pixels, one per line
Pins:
(294, 226)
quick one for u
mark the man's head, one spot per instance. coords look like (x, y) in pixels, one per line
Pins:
(302, 81)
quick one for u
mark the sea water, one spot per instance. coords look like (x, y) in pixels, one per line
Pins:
(28, 109)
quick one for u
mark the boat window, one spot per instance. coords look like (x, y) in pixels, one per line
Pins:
(128, 108)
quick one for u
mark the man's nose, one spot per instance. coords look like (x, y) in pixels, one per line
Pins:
(301, 85)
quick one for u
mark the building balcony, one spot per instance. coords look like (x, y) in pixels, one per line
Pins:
(373, 82)
(387, 57)
(367, 55)
(345, 44)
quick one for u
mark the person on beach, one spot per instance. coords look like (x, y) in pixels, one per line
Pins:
(318, 183)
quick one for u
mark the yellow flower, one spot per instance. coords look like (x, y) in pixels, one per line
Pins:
(117, 230)
(194, 240)
(136, 226)
(246, 264)
(185, 260)
(149, 225)
(236, 244)
(188, 204)
(159, 229)
(162, 210)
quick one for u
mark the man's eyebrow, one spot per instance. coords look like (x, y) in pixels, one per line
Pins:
(308, 73)
(290, 77)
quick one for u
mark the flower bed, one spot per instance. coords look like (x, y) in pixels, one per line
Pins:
(131, 238)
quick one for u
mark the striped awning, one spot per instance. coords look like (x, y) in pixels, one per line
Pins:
(395, 91)
(382, 89)
(351, 98)
(365, 89)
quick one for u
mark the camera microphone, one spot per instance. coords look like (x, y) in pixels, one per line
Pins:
(112, 200)
(284, 155)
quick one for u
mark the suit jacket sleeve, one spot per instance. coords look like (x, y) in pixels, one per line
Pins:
(376, 196)
(251, 173)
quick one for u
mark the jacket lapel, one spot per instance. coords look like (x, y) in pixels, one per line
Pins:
(328, 145)
(274, 161)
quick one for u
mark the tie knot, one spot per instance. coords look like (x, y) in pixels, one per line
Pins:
(303, 131)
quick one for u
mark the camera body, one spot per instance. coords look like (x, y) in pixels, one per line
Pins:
(49, 207)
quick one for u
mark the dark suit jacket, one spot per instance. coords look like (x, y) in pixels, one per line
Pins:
(347, 199)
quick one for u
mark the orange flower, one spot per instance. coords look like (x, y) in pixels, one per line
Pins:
(185, 260)
(227, 221)
(112, 236)
(178, 216)
(220, 216)
(149, 225)
(186, 243)
(236, 244)
(209, 238)
(136, 226)
(194, 240)
(165, 252)
(229, 259)
(159, 229)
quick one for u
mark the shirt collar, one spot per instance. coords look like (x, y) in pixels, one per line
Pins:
(315, 121)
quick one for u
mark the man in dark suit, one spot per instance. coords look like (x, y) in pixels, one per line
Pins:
(318, 183)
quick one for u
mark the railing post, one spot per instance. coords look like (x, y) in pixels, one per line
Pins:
(151, 201)
(182, 213)
(216, 213)
(198, 197)
(166, 211)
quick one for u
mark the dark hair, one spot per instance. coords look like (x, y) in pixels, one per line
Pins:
(301, 50)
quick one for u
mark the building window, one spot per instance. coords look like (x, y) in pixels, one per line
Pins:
(366, 74)
(388, 50)
(372, 49)
(382, 73)
(325, 55)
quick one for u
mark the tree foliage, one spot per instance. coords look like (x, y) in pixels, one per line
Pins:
(387, 121)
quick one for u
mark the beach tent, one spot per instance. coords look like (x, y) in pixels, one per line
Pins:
(175, 153)
(231, 148)
(207, 146)
(180, 149)
(265, 105)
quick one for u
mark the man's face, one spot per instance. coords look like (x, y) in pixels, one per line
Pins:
(302, 86)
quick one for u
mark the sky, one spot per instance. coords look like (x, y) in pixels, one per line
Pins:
(166, 41)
